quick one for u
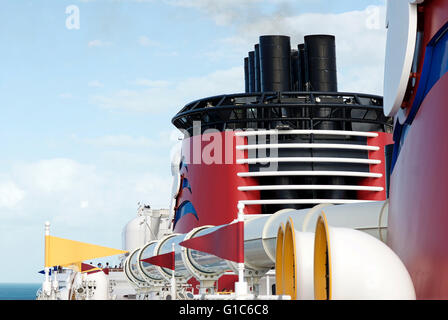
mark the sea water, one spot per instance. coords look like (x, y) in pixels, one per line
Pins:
(19, 291)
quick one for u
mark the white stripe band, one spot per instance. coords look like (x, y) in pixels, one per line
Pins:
(300, 201)
(307, 146)
(309, 173)
(310, 187)
(308, 159)
(316, 132)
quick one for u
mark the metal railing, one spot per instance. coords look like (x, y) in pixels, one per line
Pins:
(294, 110)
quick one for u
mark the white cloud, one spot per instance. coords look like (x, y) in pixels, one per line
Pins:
(118, 141)
(10, 194)
(360, 53)
(153, 100)
(95, 84)
(65, 95)
(151, 83)
(225, 12)
(146, 42)
(360, 35)
(170, 98)
(54, 175)
(75, 194)
(84, 204)
(360, 42)
(151, 186)
(99, 43)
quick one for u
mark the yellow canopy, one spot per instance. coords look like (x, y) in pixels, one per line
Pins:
(63, 252)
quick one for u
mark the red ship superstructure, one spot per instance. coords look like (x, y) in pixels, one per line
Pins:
(291, 141)
(416, 86)
(286, 183)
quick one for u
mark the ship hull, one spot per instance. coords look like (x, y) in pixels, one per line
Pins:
(418, 213)
(418, 210)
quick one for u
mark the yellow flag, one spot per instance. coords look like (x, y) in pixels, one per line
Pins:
(62, 252)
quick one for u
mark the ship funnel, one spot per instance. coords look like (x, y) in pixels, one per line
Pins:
(246, 75)
(251, 71)
(352, 265)
(301, 68)
(257, 68)
(321, 72)
(273, 66)
(275, 63)
(297, 263)
(295, 70)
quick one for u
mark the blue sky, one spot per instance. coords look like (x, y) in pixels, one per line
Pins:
(85, 122)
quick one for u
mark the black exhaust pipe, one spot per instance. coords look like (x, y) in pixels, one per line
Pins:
(246, 74)
(275, 63)
(321, 59)
(295, 70)
(302, 67)
(251, 71)
(322, 77)
(257, 68)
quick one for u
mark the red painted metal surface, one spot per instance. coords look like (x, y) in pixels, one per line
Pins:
(163, 260)
(436, 16)
(226, 283)
(212, 174)
(381, 141)
(231, 249)
(433, 14)
(418, 213)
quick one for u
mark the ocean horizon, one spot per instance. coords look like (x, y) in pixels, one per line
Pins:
(19, 291)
